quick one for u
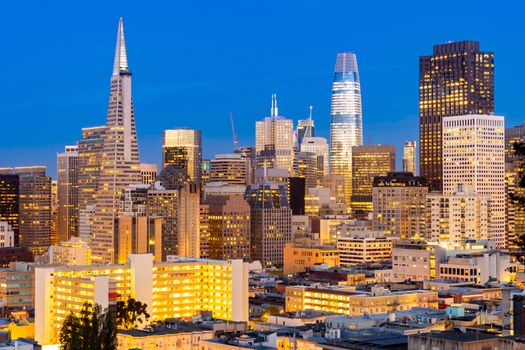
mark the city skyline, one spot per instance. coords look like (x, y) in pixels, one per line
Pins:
(298, 84)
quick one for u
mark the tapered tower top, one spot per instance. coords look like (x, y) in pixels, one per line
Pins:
(274, 111)
(346, 62)
(121, 57)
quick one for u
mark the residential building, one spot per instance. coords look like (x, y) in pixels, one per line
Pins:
(299, 258)
(415, 260)
(16, 286)
(457, 79)
(69, 253)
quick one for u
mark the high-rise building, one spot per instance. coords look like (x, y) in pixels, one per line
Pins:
(229, 227)
(10, 200)
(148, 173)
(319, 146)
(474, 156)
(369, 161)
(54, 211)
(188, 221)
(177, 288)
(409, 157)
(463, 215)
(249, 153)
(457, 79)
(514, 212)
(90, 149)
(164, 203)
(305, 128)
(120, 165)
(399, 201)
(306, 167)
(183, 147)
(271, 219)
(274, 140)
(346, 129)
(229, 168)
(35, 209)
(336, 184)
(67, 194)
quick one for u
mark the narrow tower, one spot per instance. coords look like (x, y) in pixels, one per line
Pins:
(120, 164)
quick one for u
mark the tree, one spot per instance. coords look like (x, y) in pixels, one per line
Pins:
(131, 312)
(93, 329)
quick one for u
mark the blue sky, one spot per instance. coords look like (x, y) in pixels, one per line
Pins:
(195, 61)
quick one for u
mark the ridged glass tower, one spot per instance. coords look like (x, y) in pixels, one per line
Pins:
(346, 125)
(120, 164)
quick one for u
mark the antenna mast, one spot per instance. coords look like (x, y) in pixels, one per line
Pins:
(235, 138)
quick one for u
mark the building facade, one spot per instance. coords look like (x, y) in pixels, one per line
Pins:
(67, 193)
(183, 147)
(409, 157)
(10, 200)
(229, 168)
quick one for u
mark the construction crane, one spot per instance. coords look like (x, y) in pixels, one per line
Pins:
(235, 139)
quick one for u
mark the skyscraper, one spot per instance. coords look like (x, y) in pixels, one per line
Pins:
(10, 199)
(183, 147)
(319, 146)
(457, 79)
(346, 128)
(274, 140)
(229, 168)
(409, 157)
(369, 161)
(120, 165)
(305, 128)
(67, 194)
(90, 149)
(474, 156)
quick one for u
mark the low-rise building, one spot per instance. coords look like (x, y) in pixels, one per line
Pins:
(73, 252)
(461, 341)
(298, 258)
(16, 286)
(415, 260)
(369, 246)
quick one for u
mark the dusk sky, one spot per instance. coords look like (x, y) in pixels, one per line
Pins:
(193, 62)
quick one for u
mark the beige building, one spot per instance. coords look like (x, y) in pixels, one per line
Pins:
(297, 258)
(178, 288)
(182, 336)
(350, 302)
(399, 201)
(89, 164)
(369, 161)
(458, 216)
(474, 155)
(16, 285)
(336, 184)
(7, 235)
(149, 173)
(319, 146)
(183, 147)
(75, 251)
(409, 157)
(232, 169)
(365, 247)
(415, 260)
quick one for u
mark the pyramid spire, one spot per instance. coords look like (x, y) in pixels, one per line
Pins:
(274, 110)
(121, 57)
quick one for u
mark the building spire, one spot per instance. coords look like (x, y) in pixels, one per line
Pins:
(121, 57)
(274, 112)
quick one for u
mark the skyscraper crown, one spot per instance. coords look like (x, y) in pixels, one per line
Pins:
(346, 62)
(121, 57)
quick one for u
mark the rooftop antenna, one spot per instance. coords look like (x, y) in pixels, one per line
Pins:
(274, 112)
(308, 131)
(235, 138)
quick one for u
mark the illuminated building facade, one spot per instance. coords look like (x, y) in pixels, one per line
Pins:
(16, 286)
(369, 161)
(148, 173)
(297, 258)
(457, 79)
(364, 248)
(72, 252)
(355, 303)
(399, 201)
(10, 199)
(229, 168)
(409, 157)
(35, 209)
(164, 204)
(183, 147)
(336, 184)
(7, 235)
(67, 194)
(178, 288)
(90, 149)
(120, 165)
(457, 217)
(274, 140)
(474, 156)
(306, 167)
(346, 129)
(271, 219)
(318, 146)
(229, 227)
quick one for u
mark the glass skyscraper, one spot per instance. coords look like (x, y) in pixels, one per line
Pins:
(346, 125)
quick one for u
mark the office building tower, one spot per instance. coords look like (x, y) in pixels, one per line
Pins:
(90, 149)
(249, 153)
(205, 172)
(365, 247)
(204, 230)
(229, 168)
(10, 200)
(271, 219)
(183, 147)
(188, 221)
(86, 217)
(474, 156)
(305, 128)
(514, 212)
(409, 157)
(462, 215)
(306, 167)
(336, 184)
(229, 227)
(70, 253)
(346, 129)
(399, 201)
(296, 193)
(369, 161)
(120, 164)
(164, 203)
(35, 209)
(7, 235)
(457, 79)
(148, 173)
(274, 140)
(319, 146)
(67, 194)
(225, 295)
(54, 212)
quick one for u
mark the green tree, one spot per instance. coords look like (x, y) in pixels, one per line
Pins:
(130, 312)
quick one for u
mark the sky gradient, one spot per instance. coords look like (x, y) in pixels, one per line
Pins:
(194, 62)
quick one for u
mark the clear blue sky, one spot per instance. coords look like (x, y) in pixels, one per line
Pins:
(195, 61)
